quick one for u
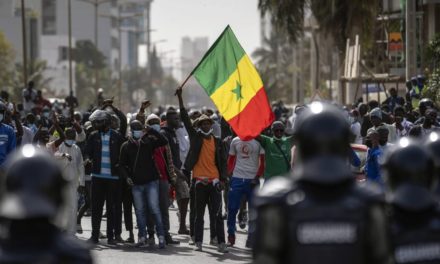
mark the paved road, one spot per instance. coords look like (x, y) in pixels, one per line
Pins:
(180, 254)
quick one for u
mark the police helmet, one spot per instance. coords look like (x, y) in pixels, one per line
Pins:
(432, 144)
(31, 185)
(410, 173)
(323, 144)
(425, 103)
(322, 129)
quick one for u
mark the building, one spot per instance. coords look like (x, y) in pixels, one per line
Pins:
(191, 52)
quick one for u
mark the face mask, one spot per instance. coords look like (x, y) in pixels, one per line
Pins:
(136, 134)
(155, 127)
(46, 114)
(1, 117)
(70, 142)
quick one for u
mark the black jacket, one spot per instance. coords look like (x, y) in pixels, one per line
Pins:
(173, 142)
(196, 142)
(137, 161)
(93, 151)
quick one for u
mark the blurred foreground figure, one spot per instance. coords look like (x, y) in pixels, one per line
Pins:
(415, 215)
(320, 215)
(32, 196)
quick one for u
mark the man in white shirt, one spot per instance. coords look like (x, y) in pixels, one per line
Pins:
(71, 160)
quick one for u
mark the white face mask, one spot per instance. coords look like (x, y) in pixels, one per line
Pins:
(206, 133)
(1, 117)
(156, 127)
(137, 134)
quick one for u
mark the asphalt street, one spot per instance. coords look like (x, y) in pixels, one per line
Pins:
(179, 254)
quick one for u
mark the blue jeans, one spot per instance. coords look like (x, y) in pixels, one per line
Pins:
(238, 187)
(146, 196)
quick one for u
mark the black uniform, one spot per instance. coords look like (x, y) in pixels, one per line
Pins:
(31, 196)
(414, 214)
(320, 215)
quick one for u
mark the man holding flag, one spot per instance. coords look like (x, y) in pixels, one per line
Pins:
(230, 79)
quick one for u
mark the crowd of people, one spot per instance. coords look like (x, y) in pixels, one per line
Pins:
(118, 161)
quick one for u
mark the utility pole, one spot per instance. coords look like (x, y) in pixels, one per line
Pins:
(69, 11)
(410, 39)
(148, 42)
(23, 29)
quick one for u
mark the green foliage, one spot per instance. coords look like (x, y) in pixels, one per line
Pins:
(432, 53)
(432, 87)
(274, 63)
(340, 18)
(35, 71)
(7, 59)
(87, 54)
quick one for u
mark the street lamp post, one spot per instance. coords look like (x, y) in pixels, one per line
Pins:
(69, 7)
(119, 19)
(23, 26)
(96, 4)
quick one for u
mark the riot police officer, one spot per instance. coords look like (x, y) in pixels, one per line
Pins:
(414, 218)
(31, 199)
(320, 215)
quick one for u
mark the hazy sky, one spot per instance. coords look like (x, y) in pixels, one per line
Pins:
(174, 19)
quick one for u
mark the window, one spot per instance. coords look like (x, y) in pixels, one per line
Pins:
(49, 17)
(63, 53)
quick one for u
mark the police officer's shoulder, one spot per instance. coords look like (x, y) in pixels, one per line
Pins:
(274, 190)
(71, 248)
(370, 192)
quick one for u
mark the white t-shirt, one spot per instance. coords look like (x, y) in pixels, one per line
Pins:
(356, 130)
(247, 157)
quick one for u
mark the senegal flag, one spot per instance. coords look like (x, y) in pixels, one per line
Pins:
(231, 80)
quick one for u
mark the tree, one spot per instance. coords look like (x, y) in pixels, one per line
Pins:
(87, 54)
(274, 63)
(7, 59)
(339, 18)
(36, 70)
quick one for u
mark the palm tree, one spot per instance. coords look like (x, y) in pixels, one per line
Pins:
(339, 18)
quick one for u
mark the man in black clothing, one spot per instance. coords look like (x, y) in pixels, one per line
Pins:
(137, 167)
(182, 190)
(102, 151)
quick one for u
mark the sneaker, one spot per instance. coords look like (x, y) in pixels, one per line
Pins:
(248, 244)
(198, 246)
(183, 231)
(141, 242)
(161, 242)
(192, 241)
(169, 240)
(130, 239)
(213, 241)
(111, 242)
(151, 241)
(93, 240)
(119, 239)
(222, 248)
(242, 224)
(231, 240)
(79, 229)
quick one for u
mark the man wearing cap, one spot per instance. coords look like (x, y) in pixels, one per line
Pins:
(278, 151)
(207, 163)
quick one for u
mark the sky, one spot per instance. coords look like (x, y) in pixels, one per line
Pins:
(174, 19)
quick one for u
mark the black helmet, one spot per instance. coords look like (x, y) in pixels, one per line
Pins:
(433, 145)
(323, 143)
(100, 119)
(424, 104)
(322, 129)
(409, 170)
(31, 185)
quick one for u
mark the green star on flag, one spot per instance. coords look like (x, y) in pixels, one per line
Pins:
(237, 91)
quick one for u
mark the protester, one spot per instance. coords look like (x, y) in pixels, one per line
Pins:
(138, 169)
(29, 96)
(278, 151)
(246, 165)
(102, 151)
(206, 160)
(72, 165)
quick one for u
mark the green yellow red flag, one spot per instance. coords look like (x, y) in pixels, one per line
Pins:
(228, 76)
